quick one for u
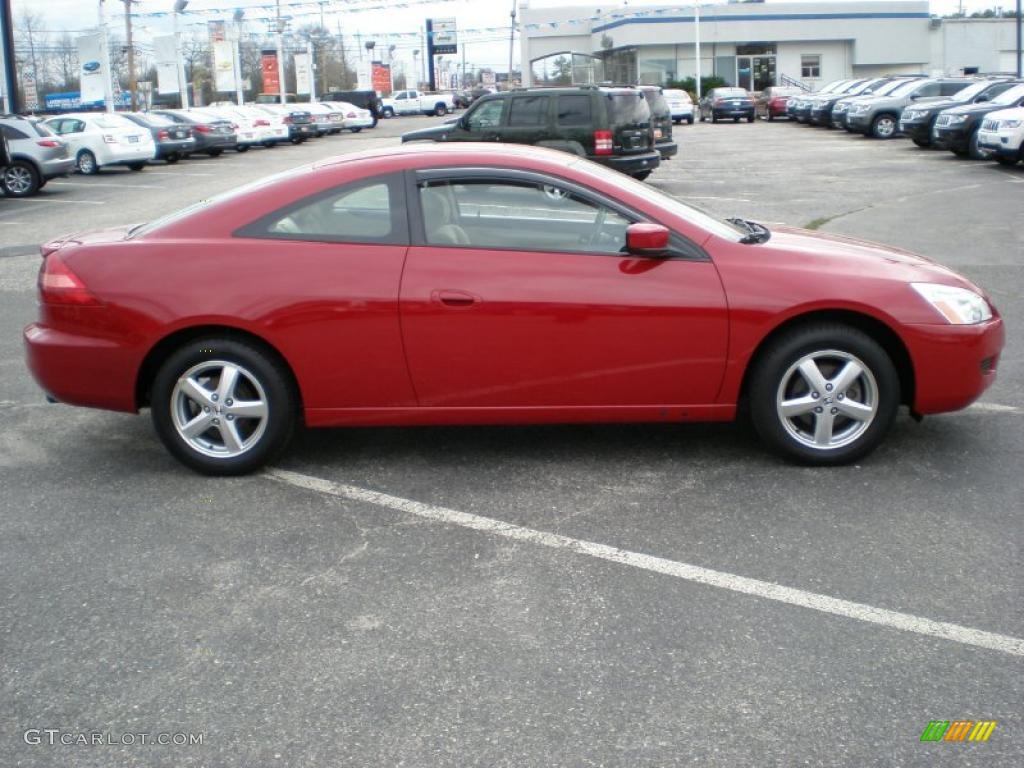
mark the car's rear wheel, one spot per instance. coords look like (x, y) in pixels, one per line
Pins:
(824, 394)
(215, 152)
(923, 143)
(641, 175)
(136, 166)
(86, 162)
(21, 179)
(223, 407)
(440, 110)
(355, 130)
(242, 148)
(689, 120)
(172, 158)
(883, 127)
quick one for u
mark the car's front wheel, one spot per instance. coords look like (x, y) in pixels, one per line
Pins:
(883, 127)
(223, 406)
(824, 394)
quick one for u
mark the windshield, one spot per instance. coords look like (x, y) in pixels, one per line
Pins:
(115, 121)
(730, 93)
(864, 87)
(904, 88)
(832, 86)
(971, 91)
(1009, 97)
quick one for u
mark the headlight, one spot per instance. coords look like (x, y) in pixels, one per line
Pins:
(958, 305)
(857, 109)
(957, 119)
(911, 115)
(1010, 123)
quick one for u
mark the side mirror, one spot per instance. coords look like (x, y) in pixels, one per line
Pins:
(644, 239)
(983, 98)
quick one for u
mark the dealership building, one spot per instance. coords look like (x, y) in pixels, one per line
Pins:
(755, 45)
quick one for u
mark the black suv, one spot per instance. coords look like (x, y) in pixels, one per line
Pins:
(661, 119)
(362, 99)
(917, 121)
(609, 125)
(956, 128)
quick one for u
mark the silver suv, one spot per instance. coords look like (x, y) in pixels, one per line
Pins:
(37, 156)
(879, 116)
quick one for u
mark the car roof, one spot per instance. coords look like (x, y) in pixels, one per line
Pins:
(460, 152)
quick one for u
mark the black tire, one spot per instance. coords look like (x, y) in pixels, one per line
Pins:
(172, 158)
(774, 369)
(440, 110)
(714, 118)
(1007, 160)
(689, 120)
(136, 166)
(973, 150)
(264, 368)
(355, 130)
(86, 163)
(750, 119)
(215, 152)
(242, 148)
(923, 143)
(642, 175)
(735, 119)
(389, 112)
(21, 179)
(771, 116)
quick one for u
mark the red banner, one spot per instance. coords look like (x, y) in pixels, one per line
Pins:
(268, 66)
(380, 78)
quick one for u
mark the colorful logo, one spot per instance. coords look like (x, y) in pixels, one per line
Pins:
(958, 730)
(91, 66)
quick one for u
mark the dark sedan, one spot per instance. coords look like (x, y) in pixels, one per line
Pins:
(212, 136)
(723, 103)
(173, 140)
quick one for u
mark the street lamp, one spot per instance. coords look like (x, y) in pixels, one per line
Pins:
(179, 6)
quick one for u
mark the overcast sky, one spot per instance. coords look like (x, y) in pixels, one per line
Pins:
(483, 24)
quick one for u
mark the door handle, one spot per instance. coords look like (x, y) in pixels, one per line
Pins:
(456, 299)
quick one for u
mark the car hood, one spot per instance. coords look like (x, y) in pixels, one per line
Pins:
(853, 256)
(975, 109)
(435, 132)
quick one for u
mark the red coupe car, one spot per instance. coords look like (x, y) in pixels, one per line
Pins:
(475, 284)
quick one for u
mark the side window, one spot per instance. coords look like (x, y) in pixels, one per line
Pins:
(487, 115)
(523, 216)
(948, 89)
(401, 96)
(528, 111)
(74, 126)
(369, 211)
(11, 133)
(574, 110)
(929, 89)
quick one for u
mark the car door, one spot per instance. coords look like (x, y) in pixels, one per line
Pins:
(72, 130)
(482, 123)
(527, 120)
(516, 293)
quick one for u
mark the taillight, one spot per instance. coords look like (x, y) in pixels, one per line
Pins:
(59, 285)
(262, 123)
(288, 120)
(48, 143)
(201, 128)
(602, 142)
(351, 114)
(109, 138)
(163, 135)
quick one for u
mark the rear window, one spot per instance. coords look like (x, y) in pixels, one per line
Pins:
(574, 110)
(42, 128)
(628, 108)
(730, 93)
(657, 102)
(157, 121)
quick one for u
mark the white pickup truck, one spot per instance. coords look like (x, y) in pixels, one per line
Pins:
(417, 102)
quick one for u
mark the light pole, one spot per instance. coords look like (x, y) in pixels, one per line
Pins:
(416, 64)
(511, 44)
(696, 43)
(108, 84)
(391, 66)
(179, 6)
(280, 55)
(239, 97)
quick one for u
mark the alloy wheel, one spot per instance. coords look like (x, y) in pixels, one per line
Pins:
(827, 399)
(219, 408)
(18, 180)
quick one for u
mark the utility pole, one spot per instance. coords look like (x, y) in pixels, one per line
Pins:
(108, 85)
(324, 36)
(179, 6)
(462, 83)
(696, 43)
(239, 96)
(8, 81)
(511, 44)
(280, 55)
(1020, 23)
(132, 82)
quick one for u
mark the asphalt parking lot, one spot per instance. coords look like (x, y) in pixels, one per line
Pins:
(551, 596)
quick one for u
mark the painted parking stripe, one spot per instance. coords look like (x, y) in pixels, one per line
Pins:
(994, 408)
(15, 200)
(111, 185)
(765, 589)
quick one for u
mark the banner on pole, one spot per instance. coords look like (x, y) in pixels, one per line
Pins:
(268, 66)
(302, 79)
(166, 56)
(224, 66)
(92, 69)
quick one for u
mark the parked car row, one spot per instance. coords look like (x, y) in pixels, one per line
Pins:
(970, 116)
(42, 149)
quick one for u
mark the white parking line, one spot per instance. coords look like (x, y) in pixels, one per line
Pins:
(177, 173)
(994, 408)
(55, 200)
(113, 185)
(765, 589)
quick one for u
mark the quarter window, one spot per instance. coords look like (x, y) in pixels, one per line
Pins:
(368, 212)
(810, 65)
(525, 216)
(528, 111)
(11, 133)
(574, 110)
